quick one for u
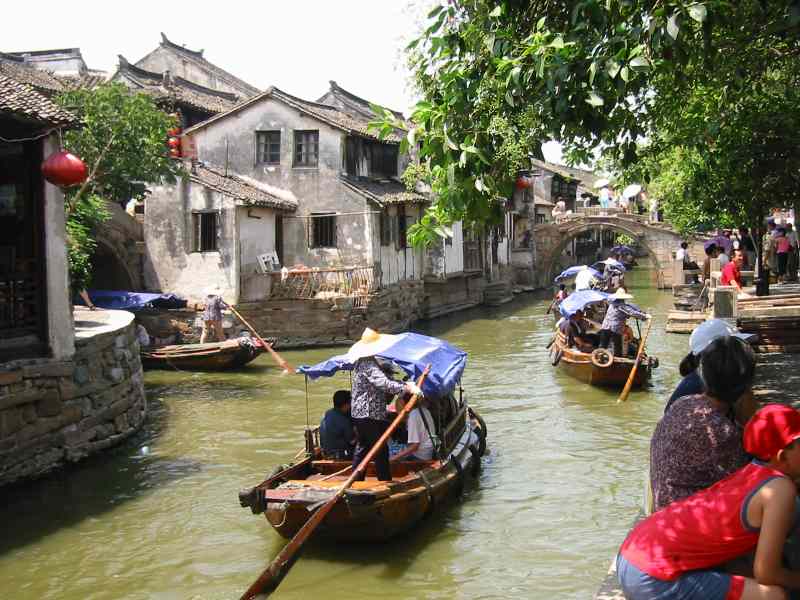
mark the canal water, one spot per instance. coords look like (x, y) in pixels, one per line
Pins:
(159, 518)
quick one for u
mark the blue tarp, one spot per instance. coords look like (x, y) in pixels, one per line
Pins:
(608, 265)
(622, 250)
(121, 300)
(579, 300)
(412, 352)
(573, 271)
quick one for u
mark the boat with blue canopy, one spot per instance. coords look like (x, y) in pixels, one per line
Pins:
(373, 510)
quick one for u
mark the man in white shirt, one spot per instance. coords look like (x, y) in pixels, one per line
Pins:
(420, 444)
(583, 280)
(680, 253)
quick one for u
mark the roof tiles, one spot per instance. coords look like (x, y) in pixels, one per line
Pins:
(22, 101)
(247, 191)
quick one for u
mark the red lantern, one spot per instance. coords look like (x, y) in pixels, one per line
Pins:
(174, 142)
(174, 132)
(523, 183)
(174, 153)
(64, 169)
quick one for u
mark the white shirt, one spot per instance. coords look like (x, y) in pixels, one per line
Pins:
(583, 280)
(723, 259)
(417, 434)
(680, 254)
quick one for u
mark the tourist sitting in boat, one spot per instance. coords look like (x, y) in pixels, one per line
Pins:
(698, 441)
(421, 432)
(212, 317)
(701, 338)
(614, 322)
(371, 388)
(679, 551)
(336, 433)
(575, 330)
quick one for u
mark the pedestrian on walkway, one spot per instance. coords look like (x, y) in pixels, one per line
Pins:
(782, 248)
(791, 267)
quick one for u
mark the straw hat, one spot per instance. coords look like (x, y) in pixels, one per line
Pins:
(620, 294)
(370, 344)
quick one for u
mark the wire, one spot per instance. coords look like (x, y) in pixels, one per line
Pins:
(32, 139)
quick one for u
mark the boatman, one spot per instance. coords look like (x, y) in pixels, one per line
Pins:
(212, 317)
(371, 391)
(614, 322)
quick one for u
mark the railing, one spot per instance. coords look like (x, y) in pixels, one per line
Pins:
(326, 284)
(19, 305)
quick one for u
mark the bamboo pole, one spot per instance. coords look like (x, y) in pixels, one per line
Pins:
(278, 358)
(629, 384)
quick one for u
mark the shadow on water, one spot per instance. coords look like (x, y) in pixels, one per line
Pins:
(94, 486)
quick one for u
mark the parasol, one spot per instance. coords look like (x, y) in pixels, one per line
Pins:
(631, 190)
(601, 183)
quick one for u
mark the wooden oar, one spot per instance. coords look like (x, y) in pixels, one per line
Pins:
(274, 573)
(278, 358)
(629, 384)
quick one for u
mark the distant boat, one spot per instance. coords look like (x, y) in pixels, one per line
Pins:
(213, 356)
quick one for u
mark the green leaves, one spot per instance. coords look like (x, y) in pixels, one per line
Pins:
(595, 100)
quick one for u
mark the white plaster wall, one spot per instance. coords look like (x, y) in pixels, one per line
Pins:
(504, 245)
(162, 59)
(256, 237)
(454, 253)
(60, 329)
(170, 264)
(399, 264)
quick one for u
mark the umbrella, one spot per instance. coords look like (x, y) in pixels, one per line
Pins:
(610, 264)
(601, 183)
(723, 242)
(631, 190)
(573, 271)
(622, 249)
(709, 243)
(579, 300)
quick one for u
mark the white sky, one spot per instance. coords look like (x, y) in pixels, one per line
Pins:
(296, 45)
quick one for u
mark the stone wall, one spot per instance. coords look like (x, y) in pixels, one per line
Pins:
(448, 295)
(326, 322)
(53, 412)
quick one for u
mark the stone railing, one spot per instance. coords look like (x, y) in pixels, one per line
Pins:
(53, 412)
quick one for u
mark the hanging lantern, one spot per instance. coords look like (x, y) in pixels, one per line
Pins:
(64, 169)
(174, 132)
(174, 142)
(174, 153)
(522, 182)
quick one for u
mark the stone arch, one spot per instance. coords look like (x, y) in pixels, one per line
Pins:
(657, 243)
(110, 271)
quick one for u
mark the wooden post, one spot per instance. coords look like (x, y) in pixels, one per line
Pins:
(725, 302)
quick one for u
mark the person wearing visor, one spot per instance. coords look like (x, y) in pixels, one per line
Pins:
(679, 551)
(701, 337)
(698, 441)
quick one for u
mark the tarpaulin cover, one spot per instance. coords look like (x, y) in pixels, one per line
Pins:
(412, 352)
(121, 300)
(573, 271)
(578, 301)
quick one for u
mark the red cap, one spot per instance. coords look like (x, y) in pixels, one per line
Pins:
(771, 429)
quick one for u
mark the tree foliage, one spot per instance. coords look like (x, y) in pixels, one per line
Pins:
(123, 142)
(498, 78)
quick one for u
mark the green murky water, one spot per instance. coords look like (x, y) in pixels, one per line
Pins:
(159, 517)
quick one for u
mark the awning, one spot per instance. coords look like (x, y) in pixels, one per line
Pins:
(580, 300)
(412, 352)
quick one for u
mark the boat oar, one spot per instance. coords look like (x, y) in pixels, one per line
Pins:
(629, 384)
(276, 570)
(278, 358)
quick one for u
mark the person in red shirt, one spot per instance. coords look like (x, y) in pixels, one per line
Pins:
(678, 551)
(731, 274)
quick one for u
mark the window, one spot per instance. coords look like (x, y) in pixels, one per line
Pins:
(383, 160)
(306, 148)
(386, 229)
(402, 227)
(323, 231)
(204, 225)
(268, 147)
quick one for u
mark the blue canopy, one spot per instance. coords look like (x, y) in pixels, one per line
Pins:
(622, 249)
(412, 352)
(122, 300)
(609, 264)
(573, 271)
(579, 300)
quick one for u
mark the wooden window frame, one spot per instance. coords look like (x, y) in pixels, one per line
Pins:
(305, 153)
(201, 231)
(402, 228)
(385, 228)
(322, 229)
(268, 149)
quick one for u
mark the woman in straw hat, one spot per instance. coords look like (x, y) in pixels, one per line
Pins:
(212, 316)
(372, 389)
(614, 322)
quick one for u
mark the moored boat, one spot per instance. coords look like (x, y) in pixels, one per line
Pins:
(373, 510)
(212, 356)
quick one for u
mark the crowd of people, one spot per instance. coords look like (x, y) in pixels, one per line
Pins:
(722, 474)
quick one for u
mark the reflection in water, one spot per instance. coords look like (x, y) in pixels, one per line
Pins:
(159, 518)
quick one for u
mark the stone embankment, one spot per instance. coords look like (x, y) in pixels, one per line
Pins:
(54, 412)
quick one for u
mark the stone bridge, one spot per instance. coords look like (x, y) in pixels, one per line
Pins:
(659, 240)
(117, 262)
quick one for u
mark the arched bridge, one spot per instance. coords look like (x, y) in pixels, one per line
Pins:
(658, 239)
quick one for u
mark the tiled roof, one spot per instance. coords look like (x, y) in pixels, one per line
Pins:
(176, 89)
(89, 81)
(383, 191)
(587, 178)
(338, 96)
(197, 56)
(245, 190)
(43, 81)
(22, 101)
(350, 122)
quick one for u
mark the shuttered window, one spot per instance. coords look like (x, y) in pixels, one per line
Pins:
(306, 148)
(268, 147)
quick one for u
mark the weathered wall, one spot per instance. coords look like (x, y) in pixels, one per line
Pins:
(444, 296)
(121, 238)
(256, 236)
(170, 265)
(306, 323)
(397, 264)
(57, 411)
(232, 141)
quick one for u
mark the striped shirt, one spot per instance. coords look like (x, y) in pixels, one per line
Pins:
(619, 312)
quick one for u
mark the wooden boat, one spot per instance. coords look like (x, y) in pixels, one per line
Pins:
(595, 367)
(373, 510)
(213, 356)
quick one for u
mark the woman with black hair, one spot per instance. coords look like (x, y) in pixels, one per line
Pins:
(698, 441)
